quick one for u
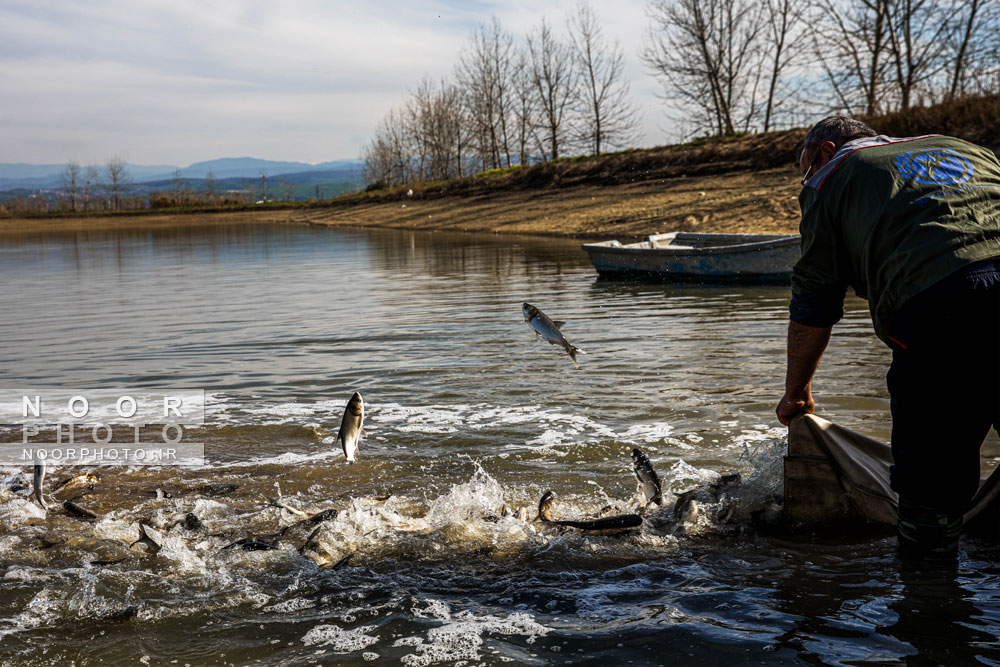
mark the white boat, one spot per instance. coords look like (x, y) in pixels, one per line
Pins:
(699, 257)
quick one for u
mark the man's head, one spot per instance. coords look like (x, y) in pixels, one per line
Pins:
(824, 140)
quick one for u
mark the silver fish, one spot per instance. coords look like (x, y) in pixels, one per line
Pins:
(649, 482)
(549, 330)
(350, 426)
(81, 481)
(151, 538)
(39, 481)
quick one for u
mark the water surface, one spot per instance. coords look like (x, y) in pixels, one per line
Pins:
(468, 419)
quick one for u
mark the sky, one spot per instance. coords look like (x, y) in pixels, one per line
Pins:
(175, 82)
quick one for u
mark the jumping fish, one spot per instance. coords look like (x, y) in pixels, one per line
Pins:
(605, 525)
(308, 526)
(350, 426)
(649, 481)
(38, 483)
(279, 502)
(549, 330)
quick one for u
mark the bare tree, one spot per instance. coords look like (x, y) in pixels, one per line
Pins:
(71, 176)
(177, 187)
(455, 134)
(702, 51)
(524, 107)
(286, 189)
(484, 74)
(785, 37)
(118, 179)
(608, 118)
(974, 47)
(918, 32)
(851, 46)
(555, 85)
(91, 182)
(388, 158)
(436, 125)
(209, 184)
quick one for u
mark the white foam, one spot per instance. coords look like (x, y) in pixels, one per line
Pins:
(647, 432)
(18, 511)
(766, 459)
(460, 637)
(339, 639)
(683, 472)
(295, 604)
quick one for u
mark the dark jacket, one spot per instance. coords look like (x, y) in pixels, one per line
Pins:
(890, 218)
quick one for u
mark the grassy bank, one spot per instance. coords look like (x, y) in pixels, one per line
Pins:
(735, 184)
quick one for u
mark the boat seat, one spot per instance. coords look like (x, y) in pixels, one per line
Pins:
(668, 244)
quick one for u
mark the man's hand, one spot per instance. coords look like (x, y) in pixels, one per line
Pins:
(805, 347)
(792, 404)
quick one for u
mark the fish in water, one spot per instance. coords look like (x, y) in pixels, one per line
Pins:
(302, 531)
(86, 480)
(608, 525)
(649, 481)
(280, 503)
(350, 426)
(151, 538)
(38, 482)
(250, 544)
(713, 502)
(217, 489)
(549, 330)
(77, 511)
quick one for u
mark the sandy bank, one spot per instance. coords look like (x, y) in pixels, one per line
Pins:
(745, 202)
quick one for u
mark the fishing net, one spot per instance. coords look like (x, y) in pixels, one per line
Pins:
(835, 476)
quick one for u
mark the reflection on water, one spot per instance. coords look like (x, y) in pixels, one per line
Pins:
(467, 417)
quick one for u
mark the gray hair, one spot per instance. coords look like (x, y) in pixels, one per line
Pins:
(839, 130)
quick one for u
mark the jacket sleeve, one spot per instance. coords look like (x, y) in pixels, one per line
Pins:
(818, 280)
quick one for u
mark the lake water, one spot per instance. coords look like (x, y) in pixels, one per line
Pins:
(468, 418)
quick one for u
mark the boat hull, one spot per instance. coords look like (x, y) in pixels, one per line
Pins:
(699, 257)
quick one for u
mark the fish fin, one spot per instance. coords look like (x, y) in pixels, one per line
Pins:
(559, 324)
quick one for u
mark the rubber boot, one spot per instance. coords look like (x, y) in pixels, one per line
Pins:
(927, 532)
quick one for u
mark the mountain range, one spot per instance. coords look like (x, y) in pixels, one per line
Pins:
(43, 176)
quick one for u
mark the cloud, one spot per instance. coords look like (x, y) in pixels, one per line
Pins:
(182, 81)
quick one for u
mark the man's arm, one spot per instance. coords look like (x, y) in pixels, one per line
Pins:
(805, 347)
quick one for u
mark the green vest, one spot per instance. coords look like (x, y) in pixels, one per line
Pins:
(891, 217)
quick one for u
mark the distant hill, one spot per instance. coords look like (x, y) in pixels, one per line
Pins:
(243, 167)
(21, 176)
(39, 176)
